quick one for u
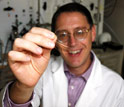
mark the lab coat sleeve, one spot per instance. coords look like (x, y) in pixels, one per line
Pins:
(1, 96)
(35, 101)
(37, 97)
(6, 101)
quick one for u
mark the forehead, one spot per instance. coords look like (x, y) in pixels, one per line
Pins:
(71, 19)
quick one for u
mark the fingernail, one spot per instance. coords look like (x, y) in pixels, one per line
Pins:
(51, 36)
(51, 44)
(39, 50)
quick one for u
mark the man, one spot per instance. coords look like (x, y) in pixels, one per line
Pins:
(74, 79)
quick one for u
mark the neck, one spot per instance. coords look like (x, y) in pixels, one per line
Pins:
(80, 69)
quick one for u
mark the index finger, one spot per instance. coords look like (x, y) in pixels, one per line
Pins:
(43, 31)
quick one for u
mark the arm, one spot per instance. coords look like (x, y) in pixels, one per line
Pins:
(9, 103)
(28, 60)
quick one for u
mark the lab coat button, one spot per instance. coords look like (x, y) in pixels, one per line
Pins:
(69, 104)
(72, 87)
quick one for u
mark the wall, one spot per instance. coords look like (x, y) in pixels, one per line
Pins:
(7, 18)
(115, 22)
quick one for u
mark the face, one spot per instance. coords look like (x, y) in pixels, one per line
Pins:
(77, 55)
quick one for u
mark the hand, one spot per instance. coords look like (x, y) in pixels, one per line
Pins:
(30, 55)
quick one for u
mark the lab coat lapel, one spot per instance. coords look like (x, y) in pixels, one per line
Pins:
(94, 81)
(60, 83)
(87, 96)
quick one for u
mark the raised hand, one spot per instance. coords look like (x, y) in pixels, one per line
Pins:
(30, 55)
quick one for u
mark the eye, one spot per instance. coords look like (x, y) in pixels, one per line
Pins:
(62, 34)
(79, 32)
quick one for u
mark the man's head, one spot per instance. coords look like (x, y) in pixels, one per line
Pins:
(71, 7)
(73, 25)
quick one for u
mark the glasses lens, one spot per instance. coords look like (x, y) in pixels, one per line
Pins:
(62, 36)
(80, 34)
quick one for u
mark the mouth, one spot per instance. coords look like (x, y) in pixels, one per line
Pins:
(75, 52)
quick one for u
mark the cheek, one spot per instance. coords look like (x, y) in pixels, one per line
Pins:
(63, 53)
(87, 42)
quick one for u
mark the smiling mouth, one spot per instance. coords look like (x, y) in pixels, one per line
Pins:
(74, 52)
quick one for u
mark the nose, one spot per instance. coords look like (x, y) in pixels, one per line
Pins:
(72, 40)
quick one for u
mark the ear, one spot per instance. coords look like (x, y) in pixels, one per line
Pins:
(93, 33)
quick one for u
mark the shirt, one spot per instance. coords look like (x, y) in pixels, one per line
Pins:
(76, 84)
(75, 88)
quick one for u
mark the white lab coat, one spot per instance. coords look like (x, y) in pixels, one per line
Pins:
(104, 87)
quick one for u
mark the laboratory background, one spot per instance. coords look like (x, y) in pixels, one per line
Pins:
(18, 16)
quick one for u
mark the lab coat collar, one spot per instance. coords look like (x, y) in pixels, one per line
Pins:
(57, 64)
(95, 76)
(94, 81)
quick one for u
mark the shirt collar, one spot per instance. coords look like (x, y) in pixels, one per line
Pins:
(86, 74)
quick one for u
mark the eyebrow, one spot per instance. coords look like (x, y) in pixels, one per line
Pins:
(80, 27)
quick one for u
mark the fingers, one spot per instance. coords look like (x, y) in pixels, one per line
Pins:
(18, 56)
(35, 40)
(40, 40)
(21, 45)
(43, 31)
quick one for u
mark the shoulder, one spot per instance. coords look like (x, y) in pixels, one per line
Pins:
(109, 81)
(111, 78)
(109, 74)
(113, 82)
(106, 75)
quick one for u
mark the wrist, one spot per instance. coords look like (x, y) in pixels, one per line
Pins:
(22, 86)
(20, 93)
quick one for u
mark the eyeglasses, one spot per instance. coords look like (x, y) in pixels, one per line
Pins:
(63, 36)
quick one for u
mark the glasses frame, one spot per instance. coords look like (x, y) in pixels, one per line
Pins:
(68, 33)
